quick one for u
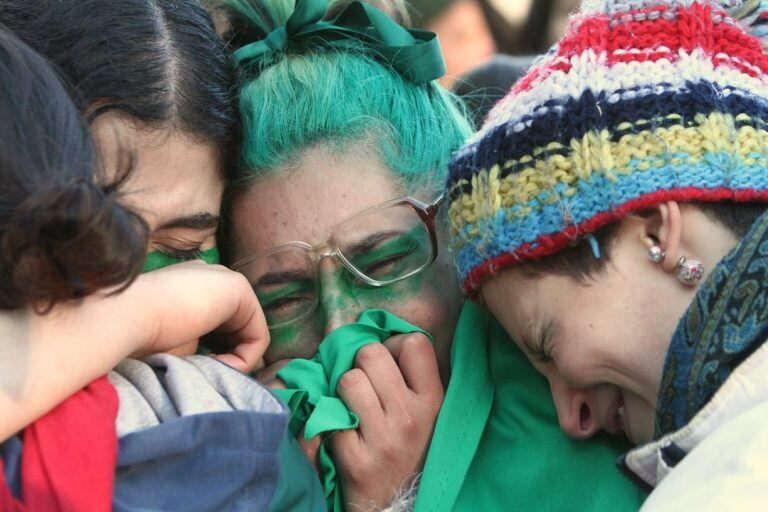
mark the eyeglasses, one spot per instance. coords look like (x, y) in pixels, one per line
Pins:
(378, 246)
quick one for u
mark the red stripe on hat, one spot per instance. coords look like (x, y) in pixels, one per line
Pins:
(550, 244)
(641, 41)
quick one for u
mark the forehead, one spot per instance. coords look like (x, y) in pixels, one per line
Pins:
(307, 201)
(514, 299)
(171, 174)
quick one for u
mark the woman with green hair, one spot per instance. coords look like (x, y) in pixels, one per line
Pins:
(347, 138)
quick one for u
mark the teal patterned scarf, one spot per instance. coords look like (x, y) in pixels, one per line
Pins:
(725, 324)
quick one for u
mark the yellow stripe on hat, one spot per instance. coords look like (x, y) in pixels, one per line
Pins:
(534, 185)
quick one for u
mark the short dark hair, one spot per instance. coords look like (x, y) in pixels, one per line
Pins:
(160, 61)
(62, 236)
(580, 263)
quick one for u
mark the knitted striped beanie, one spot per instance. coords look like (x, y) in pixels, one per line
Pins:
(641, 102)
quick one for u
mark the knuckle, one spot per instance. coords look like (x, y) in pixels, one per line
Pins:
(369, 352)
(239, 279)
(351, 379)
(416, 341)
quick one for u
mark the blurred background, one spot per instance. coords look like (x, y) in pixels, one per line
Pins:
(489, 44)
(472, 31)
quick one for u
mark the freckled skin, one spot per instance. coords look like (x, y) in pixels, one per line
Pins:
(305, 204)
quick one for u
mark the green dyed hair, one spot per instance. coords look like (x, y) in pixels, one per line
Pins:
(336, 99)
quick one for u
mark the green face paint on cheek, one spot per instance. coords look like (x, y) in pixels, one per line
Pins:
(285, 336)
(354, 293)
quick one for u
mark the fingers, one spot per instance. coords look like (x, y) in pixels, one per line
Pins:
(396, 392)
(310, 448)
(357, 392)
(192, 299)
(348, 451)
(268, 375)
(384, 375)
(417, 360)
(248, 326)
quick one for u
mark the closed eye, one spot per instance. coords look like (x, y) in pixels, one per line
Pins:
(182, 254)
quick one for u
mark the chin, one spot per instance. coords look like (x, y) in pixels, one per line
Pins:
(638, 421)
(638, 432)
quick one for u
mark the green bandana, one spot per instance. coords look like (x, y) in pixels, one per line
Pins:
(157, 260)
(414, 54)
(311, 394)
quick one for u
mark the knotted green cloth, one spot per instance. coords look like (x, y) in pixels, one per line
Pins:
(311, 387)
(413, 54)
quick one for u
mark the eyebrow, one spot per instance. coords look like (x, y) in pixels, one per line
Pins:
(371, 241)
(198, 222)
(281, 277)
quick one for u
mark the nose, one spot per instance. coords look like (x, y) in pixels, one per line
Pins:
(576, 409)
(339, 305)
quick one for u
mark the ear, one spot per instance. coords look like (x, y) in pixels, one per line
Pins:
(663, 225)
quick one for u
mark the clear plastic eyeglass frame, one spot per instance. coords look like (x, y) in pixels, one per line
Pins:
(427, 212)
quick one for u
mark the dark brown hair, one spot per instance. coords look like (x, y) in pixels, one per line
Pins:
(580, 262)
(159, 61)
(62, 236)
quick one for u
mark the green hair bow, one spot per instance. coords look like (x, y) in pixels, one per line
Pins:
(414, 54)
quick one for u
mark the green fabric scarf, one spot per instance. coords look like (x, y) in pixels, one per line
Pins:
(311, 387)
(497, 443)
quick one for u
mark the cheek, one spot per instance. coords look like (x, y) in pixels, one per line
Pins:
(577, 366)
(427, 300)
(583, 349)
(608, 342)
(296, 340)
(639, 416)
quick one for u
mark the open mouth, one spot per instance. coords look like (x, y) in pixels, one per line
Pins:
(620, 414)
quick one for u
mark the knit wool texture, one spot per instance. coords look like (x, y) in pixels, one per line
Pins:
(642, 101)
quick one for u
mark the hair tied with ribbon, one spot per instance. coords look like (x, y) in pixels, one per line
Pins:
(413, 54)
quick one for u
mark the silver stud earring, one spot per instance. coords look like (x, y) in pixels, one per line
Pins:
(656, 253)
(689, 271)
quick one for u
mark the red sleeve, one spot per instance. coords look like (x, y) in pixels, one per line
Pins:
(69, 455)
(7, 501)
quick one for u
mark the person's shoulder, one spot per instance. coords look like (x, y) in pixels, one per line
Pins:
(164, 387)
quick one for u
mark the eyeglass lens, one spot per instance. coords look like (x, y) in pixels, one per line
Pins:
(384, 245)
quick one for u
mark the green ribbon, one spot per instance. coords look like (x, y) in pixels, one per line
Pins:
(157, 260)
(414, 54)
(311, 387)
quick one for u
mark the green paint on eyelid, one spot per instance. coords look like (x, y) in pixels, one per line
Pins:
(266, 298)
(157, 259)
(406, 244)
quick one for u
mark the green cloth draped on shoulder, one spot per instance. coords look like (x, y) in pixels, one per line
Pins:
(311, 387)
(497, 444)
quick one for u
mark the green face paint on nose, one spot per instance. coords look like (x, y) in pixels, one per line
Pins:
(157, 260)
